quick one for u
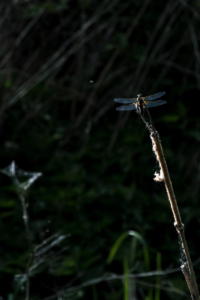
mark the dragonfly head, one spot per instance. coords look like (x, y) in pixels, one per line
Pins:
(139, 96)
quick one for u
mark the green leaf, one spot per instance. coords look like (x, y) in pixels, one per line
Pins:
(120, 240)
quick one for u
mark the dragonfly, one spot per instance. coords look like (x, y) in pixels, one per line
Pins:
(140, 103)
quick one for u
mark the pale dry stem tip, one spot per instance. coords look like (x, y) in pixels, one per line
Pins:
(154, 148)
(158, 176)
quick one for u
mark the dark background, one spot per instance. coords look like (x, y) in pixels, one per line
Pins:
(96, 209)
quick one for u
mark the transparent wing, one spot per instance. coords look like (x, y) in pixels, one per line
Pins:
(156, 103)
(126, 107)
(125, 100)
(155, 96)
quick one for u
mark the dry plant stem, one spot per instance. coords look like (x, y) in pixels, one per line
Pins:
(187, 267)
(30, 245)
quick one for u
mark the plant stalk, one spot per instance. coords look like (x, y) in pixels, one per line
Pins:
(187, 266)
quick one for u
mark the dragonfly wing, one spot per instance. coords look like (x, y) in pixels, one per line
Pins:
(156, 103)
(126, 107)
(155, 96)
(125, 100)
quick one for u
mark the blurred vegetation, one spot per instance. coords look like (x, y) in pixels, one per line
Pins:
(96, 215)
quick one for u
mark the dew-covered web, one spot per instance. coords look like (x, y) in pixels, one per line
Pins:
(22, 179)
(44, 254)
